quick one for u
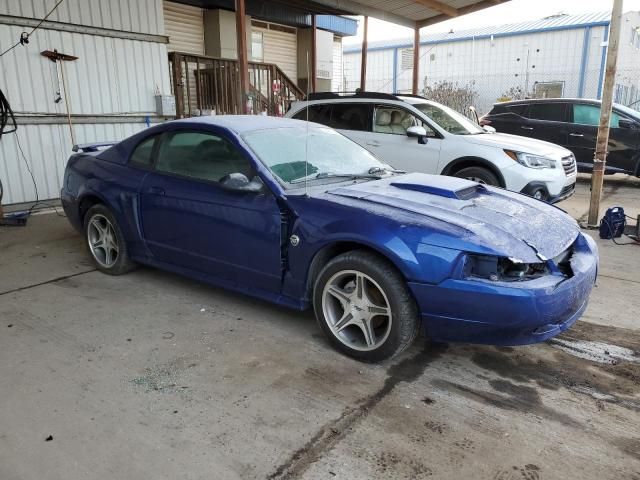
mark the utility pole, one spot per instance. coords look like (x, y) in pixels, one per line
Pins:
(602, 143)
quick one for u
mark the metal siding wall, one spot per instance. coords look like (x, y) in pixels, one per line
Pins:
(281, 48)
(111, 77)
(123, 81)
(47, 148)
(142, 16)
(184, 25)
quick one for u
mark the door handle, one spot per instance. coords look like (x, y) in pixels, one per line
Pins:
(156, 190)
(374, 143)
(576, 134)
(526, 128)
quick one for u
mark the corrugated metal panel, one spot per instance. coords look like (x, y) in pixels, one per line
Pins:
(111, 75)
(336, 78)
(184, 25)
(142, 16)
(46, 149)
(556, 22)
(281, 48)
(336, 24)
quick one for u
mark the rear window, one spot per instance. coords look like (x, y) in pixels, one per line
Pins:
(345, 116)
(554, 112)
(317, 113)
(142, 154)
(518, 109)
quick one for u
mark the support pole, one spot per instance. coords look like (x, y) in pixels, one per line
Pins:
(416, 60)
(363, 62)
(314, 54)
(243, 62)
(602, 143)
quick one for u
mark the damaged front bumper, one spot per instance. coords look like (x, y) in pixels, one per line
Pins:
(509, 313)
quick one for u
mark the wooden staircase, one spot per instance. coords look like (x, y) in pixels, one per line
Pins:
(204, 85)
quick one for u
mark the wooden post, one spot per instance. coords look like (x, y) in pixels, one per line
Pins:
(243, 62)
(416, 60)
(363, 62)
(602, 143)
(314, 54)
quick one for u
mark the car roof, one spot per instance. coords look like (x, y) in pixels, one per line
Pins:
(246, 123)
(529, 101)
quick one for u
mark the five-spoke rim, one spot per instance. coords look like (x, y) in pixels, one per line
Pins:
(357, 310)
(102, 240)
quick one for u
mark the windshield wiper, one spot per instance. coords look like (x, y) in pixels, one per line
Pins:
(352, 176)
(373, 170)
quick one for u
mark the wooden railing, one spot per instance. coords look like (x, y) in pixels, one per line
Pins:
(203, 85)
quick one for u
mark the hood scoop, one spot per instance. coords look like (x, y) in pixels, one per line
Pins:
(448, 187)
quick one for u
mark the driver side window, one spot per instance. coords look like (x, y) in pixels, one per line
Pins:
(395, 121)
(200, 155)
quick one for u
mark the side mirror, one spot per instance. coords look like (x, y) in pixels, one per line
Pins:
(418, 132)
(489, 129)
(624, 123)
(239, 182)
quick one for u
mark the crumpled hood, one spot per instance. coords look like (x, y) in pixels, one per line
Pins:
(518, 144)
(507, 223)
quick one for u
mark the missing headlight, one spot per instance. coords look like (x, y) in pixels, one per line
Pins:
(503, 269)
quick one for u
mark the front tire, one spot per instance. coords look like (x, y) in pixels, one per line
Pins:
(105, 241)
(364, 306)
(478, 174)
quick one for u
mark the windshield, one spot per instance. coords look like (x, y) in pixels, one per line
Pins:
(629, 111)
(449, 119)
(284, 151)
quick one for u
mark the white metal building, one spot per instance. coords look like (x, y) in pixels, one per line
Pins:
(108, 99)
(557, 56)
(122, 64)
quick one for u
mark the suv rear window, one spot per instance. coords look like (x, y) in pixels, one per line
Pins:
(344, 116)
(518, 109)
(554, 112)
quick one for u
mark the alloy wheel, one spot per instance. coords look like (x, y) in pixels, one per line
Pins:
(102, 240)
(357, 310)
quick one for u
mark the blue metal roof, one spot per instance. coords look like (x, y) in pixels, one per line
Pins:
(246, 123)
(341, 25)
(556, 22)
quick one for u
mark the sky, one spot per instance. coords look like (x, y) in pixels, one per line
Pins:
(513, 11)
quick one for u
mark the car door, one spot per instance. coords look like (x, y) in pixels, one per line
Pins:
(583, 135)
(190, 220)
(388, 140)
(546, 121)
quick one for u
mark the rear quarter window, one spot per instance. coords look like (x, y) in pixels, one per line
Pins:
(552, 112)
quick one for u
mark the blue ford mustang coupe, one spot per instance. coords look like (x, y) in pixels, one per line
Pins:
(297, 214)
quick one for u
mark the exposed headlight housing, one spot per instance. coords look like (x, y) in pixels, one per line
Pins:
(530, 160)
(501, 269)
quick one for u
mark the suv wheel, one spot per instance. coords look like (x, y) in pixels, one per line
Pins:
(478, 174)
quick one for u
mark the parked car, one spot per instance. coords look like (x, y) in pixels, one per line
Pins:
(299, 215)
(418, 135)
(573, 123)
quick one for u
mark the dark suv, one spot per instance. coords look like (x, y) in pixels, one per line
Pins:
(573, 124)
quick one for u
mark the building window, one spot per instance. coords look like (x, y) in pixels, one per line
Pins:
(406, 59)
(257, 47)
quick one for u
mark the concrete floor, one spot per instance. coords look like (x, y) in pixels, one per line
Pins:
(151, 375)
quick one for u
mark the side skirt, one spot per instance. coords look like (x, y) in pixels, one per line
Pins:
(279, 299)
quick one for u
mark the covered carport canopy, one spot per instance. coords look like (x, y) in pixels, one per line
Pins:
(409, 13)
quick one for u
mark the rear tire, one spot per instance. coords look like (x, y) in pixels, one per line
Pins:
(364, 307)
(478, 174)
(105, 241)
